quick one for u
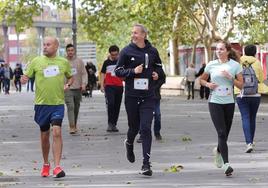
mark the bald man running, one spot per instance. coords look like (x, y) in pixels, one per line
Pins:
(50, 71)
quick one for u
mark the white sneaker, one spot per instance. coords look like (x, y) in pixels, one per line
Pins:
(249, 148)
(218, 161)
(228, 170)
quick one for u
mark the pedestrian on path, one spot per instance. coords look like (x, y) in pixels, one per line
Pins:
(73, 95)
(190, 79)
(50, 71)
(8, 76)
(224, 73)
(157, 110)
(112, 86)
(249, 103)
(17, 74)
(204, 91)
(140, 64)
(92, 79)
(30, 84)
(2, 76)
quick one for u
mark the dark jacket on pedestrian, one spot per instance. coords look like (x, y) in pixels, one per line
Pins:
(91, 70)
(158, 83)
(18, 73)
(130, 57)
(2, 73)
(201, 71)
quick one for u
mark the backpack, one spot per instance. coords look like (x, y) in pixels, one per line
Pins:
(250, 86)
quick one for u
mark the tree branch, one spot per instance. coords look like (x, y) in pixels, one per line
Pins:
(231, 23)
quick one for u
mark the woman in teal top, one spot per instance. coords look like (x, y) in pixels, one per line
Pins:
(224, 73)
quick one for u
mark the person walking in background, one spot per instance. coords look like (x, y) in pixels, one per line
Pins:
(92, 80)
(139, 63)
(248, 103)
(112, 86)
(204, 91)
(73, 95)
(50, 72)
(224, 73)
(8, 75)
(190, 78)
(157, 111)
(17, 74)
(1, 77)
(30, 84)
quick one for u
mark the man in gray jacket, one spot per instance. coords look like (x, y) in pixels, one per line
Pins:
(73, 96)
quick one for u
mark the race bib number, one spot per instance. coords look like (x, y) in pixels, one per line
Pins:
(110, 69)
(74, 71)
(141, 83)
(113, 73)
(51, 71)
(223, 91)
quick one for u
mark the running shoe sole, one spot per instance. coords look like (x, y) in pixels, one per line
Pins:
(59, 175)
(249, 150)
(229, 171)
(148, 172)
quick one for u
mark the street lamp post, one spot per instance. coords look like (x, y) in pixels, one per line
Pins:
(74, 25)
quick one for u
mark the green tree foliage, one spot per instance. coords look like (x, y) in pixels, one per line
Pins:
(103, 19)
(18, 12)
(209, 25)
(253, 21)
(109, 22)
(103, 22)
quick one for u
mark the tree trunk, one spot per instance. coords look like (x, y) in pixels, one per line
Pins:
(194, 51)
(174, 44)
(174, 56)
(208, 50)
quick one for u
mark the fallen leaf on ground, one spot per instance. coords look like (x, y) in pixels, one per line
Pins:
(186, 139)
(174, 168)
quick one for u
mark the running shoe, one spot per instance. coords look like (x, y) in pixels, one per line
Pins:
(58, 172)
(249, 148)
(45, 170)
(129, 152)
(218, 161)
(146, 170)
(115, 129)
(228, 170)
(72, 130)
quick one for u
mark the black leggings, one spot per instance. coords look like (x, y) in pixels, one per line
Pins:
(140, 116)
(222, 117)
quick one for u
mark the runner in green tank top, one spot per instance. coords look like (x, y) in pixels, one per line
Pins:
(50, 72)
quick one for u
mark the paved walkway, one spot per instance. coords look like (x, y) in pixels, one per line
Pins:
(97, 159)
